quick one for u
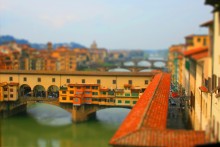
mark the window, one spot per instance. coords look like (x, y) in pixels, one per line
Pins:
(71, 92)
(10, 78)
(71, 98)
(111, 93)
(87, 87)
(95, 87)
(71, 87)
(104, 93)
(83, 81)
(63, 92)
(204, 42)
(25, 79)
(135, 94)
(98, 81)
(113, 81)
(63, 98)
(127, 102)
(127, 94)
(134, 102)
(11, 95)
(11, 89)
(129, 81)
(214, 81)
(94, 93)
(119, 101)
(39, 79)
(146, 82)
(67, 80)
(199, 39)
(78, 87)
(5, 89)
(53, 79)
(5, 96)
(87, 92)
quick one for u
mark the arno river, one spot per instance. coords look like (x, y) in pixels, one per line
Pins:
(44, 125)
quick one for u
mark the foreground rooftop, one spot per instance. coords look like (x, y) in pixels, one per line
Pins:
(145, 125)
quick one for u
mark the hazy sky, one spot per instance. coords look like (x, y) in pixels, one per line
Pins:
(114, 24)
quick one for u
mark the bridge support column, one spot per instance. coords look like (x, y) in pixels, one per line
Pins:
(79, 114)
(84, 112)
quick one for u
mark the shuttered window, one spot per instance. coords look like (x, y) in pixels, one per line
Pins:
(214, 81)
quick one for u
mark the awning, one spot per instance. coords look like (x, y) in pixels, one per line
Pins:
(204, 89)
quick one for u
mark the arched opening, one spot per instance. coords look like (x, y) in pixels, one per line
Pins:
(144, 64)
(159, 64)
(119, 70)
(129, 63)
(39, 91)
(53, 91)
(25, 91)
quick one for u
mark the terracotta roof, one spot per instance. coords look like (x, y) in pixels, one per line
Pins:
(104, 89)
(197, 53)
(127, 85)
(193, 35)
(13, 83)
(83, 85)
(81, 73)
(208, 23)
(200, 55)
(145, 125)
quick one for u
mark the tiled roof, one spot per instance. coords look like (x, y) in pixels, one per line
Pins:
(197, 53)
(145, 125)
(208, 23)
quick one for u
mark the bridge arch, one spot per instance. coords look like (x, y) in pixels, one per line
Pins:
(129, 63)
(25, 90)
(144, 63)
(119, 70)
(53, 91)
(39, 91)
(159, 64)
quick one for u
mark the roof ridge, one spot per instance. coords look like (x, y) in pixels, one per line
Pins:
(149, 104)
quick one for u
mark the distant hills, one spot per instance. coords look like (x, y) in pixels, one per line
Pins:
(8, 38)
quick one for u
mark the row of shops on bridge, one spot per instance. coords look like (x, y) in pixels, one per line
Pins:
(77, 94)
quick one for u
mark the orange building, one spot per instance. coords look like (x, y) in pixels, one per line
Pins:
(79, 94)
(9, 91)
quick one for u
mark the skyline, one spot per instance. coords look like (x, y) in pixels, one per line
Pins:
(112, 24)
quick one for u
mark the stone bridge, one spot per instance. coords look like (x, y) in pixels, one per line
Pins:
(79, 113)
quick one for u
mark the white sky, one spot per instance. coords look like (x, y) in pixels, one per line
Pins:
(114, 24)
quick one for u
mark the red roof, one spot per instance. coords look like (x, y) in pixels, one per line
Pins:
(208, 23)
(145, 125)
(197, 53)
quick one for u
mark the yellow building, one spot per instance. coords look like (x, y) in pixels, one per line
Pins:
(193, 41)
(215, 85)
(175, 64)
(79, 94)
(9, 91)
(100, 86)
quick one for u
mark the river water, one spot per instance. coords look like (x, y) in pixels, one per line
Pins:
(44, 125)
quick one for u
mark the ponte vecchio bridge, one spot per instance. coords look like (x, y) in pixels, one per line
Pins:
(81, 93)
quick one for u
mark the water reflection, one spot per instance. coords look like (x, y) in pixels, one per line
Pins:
(49, 115)
(29, 129)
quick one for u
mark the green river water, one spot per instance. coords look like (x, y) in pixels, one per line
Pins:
(44, 125)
